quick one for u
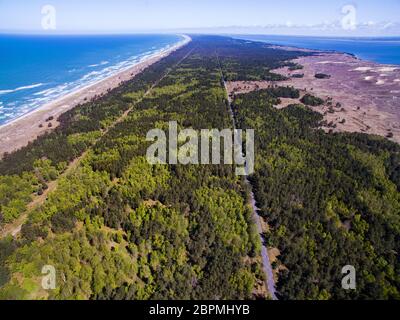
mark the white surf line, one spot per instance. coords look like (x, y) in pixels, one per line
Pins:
(73, 92)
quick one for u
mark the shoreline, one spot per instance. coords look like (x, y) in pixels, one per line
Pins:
(19, 132)
(326, 51)
(360, 95)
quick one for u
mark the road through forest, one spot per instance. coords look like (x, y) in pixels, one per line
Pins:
(267, 268)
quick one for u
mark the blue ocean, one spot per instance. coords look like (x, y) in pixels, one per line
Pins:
(381, 50)
(35, 70)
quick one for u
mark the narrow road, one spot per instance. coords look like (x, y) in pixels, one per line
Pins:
(267, 268)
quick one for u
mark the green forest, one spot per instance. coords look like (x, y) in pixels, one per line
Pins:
(330, 200)
(116, 227)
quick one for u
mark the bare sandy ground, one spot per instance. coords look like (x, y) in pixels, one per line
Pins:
(360, 96)
(20, 132)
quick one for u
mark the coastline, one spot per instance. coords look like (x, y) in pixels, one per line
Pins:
(22, 130)
(311, 48)
(360, 95)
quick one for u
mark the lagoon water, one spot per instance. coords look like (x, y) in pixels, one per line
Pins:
(381, 50)
(35, 70)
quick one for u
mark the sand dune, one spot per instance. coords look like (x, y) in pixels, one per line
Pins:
(387, 69)
(363, 69)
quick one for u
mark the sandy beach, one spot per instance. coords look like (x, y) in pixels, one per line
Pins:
(360, 96)
(18, 133)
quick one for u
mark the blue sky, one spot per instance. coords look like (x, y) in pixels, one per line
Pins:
(375, 17)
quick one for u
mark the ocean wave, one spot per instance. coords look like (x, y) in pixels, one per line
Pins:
(21, 88)
(99, 64)
(48, 94)
(51, 91)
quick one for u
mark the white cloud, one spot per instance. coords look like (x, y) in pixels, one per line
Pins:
(327, 28)
(388, 25)
(289, 24)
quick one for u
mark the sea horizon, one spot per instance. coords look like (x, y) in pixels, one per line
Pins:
(378, 49)
(166, 153)
(38, 69)
(20, 96)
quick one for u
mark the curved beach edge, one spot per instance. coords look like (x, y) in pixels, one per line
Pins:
(19, 132)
